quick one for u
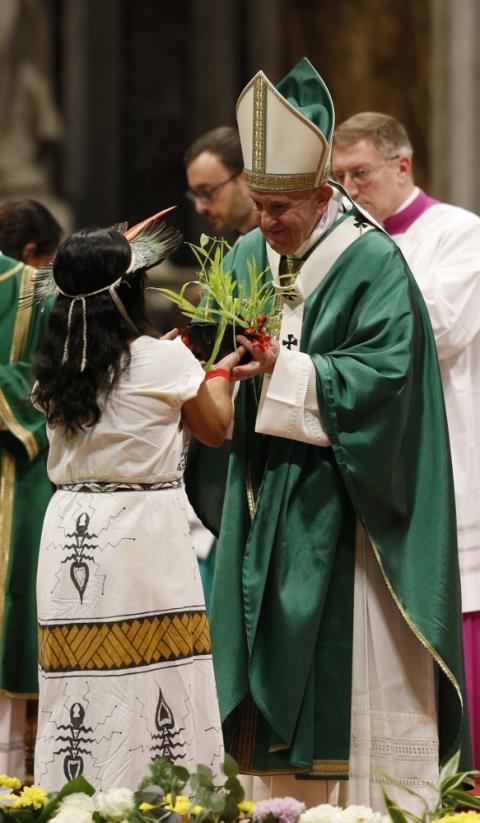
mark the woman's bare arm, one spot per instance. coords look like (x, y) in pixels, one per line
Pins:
(209, 414)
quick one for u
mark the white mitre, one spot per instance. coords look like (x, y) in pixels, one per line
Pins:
(286, 131)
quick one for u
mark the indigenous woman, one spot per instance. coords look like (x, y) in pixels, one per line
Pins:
(125, 666)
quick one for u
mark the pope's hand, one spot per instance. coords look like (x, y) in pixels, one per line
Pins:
(262, 362)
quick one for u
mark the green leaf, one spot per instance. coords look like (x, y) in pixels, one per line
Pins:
(450, 768)
(181, 773)
(396, 814)
(230, 766)
(230, 811)
(452, 782)
(144, 794)
(466, 799)
(216, 803)
(404, 788)
(204, 771)
(21, 816)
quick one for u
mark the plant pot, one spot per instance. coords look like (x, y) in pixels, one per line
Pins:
(200, 339)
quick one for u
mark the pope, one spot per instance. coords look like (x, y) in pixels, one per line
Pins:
(335, 615)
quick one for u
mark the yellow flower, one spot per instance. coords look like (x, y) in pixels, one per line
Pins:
(8, 799)
(10, 782)
(196, 810)
(246, 807)
(182, 805)
(146, 807)
(461, 817)
(31, 796)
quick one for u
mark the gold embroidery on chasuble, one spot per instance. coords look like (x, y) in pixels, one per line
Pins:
(10, 272)
(7, 476)
(22, 320)
(7, 482)
(123, 644)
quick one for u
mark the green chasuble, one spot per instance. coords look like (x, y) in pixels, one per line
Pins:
(286, 511)
(24, 486)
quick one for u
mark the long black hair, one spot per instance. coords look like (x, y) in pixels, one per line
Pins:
(86, 261)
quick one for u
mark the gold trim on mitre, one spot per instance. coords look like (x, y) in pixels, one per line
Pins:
(255, 143)
(285, 182)
(259, 126)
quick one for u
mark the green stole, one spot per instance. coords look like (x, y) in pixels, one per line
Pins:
(24, 486)
(281, 615)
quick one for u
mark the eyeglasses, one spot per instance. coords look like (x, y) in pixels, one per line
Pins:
(361, 176)
(207, 195)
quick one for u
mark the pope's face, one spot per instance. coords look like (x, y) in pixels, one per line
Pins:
(375, 182)
(217, 194)
(287, 219)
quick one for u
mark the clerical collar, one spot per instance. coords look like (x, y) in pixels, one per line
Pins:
(327, 219)
(415, 205)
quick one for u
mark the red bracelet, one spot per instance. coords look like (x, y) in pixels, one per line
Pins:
(217, 373)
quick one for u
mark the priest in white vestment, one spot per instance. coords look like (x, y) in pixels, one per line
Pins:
(372, 159)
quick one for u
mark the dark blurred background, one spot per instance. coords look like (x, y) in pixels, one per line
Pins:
(100, 98)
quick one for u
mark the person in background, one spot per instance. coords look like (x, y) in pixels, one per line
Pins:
(214, 169)
(372, 159)
(335, 616)
(30, 234)
(116, 560)
(217, 188)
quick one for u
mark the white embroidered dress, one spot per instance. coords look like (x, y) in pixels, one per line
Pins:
(125, 666)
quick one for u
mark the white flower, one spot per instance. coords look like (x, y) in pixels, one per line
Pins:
(116, 803)
(75, 808)
(358, 814)
(73, 815)
(77, 800)
(320, 814)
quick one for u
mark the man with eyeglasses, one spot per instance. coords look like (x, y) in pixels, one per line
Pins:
(372, 159)
(217, 188)
(335, 615)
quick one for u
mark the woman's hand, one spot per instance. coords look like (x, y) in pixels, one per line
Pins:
(230, 360)
(262, 362)
(170, 335)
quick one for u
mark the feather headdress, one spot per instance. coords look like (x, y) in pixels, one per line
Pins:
(151, 241)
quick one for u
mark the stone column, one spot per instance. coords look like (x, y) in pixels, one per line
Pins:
(455, 116)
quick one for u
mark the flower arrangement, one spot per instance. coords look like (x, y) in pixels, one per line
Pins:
(246, 308)
(160, 798)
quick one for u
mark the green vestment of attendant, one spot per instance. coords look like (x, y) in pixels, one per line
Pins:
(24, 486)
(281, 616)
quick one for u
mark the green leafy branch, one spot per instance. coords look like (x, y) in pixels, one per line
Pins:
(450, 795)
(217, 802)
(224, 301)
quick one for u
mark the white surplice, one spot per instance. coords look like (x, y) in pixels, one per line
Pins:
(442, 248)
